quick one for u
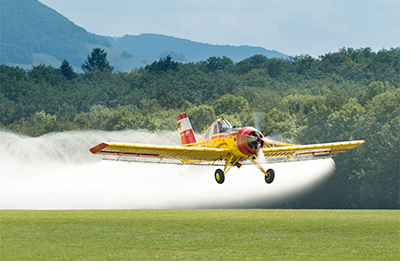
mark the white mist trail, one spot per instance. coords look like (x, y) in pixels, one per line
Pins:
(57, 171)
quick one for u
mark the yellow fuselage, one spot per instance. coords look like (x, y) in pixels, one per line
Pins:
(241, 143)
(226, 141)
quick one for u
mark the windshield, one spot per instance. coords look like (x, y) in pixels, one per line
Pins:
(224, 126)
(219, 126)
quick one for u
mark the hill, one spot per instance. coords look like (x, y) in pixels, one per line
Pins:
(185, 50)
(32, 33)
(29, 28)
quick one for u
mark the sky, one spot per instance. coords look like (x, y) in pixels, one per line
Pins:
(313, 27)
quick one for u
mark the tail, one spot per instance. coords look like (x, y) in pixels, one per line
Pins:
(185, 130)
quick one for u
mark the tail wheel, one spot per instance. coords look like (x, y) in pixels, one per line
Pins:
(270, 176)
(220, 176)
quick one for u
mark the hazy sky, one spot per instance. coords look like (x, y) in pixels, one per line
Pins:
(313, 27)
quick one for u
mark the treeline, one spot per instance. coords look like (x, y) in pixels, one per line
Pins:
(347, 95)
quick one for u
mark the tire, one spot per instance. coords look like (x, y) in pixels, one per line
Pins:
(219, 175)
(270, 176)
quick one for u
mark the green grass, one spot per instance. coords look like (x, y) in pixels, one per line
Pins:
(200, 235)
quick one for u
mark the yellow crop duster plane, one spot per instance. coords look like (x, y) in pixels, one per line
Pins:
(223, 144)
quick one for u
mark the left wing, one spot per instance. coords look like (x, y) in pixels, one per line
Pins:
(159, 151)
(316, 149)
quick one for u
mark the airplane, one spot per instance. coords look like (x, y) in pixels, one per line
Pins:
(225, 145)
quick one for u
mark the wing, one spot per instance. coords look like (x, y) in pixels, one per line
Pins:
(159, 151)
(316, 149)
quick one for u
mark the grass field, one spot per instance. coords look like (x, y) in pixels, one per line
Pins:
(219, 235)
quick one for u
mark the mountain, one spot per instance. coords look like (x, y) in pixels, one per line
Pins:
(32, 33)
(185, 50)
(29, 27)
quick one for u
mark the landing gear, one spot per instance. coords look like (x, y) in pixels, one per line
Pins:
(220, 176)
(270, 176)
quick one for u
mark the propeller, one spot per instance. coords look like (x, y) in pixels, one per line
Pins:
(275, 138)
(258, 118)
(278, 137)
(255, 139)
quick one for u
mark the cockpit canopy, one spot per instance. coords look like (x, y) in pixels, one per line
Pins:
(221, 125)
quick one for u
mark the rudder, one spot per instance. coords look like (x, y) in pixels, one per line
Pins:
(186, 132)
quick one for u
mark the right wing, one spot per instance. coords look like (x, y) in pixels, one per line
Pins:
(159, 151)
(315, 149)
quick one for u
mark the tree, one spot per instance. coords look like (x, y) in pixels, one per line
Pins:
(201, 117)
(42, 73)
(38, 124)
(281, 124)
(304, 63)
(97, 62)
(379, 169)
(163, 64)
(274, 68)
(218, 63)
(67, 70)
(254, 62)
(230, 104)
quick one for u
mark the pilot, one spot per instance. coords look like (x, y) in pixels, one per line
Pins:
(214, 129)
(220, 127)
(223, 126)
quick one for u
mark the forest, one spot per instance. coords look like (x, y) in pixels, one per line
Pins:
(351, 94)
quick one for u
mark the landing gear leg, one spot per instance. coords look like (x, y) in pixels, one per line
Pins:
(269, 174)
(220, 174)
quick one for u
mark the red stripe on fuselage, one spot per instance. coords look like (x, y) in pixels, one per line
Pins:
(222, 135)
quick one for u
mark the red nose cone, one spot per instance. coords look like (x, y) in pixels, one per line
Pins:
(249, 141)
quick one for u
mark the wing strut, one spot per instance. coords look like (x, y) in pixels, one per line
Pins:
(229, 163)
(257, 163)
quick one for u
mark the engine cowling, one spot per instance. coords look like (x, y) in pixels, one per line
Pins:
(249, 140)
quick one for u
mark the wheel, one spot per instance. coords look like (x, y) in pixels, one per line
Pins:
(220, 176)
(270, 176)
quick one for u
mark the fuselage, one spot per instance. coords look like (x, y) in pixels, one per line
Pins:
(241, 142)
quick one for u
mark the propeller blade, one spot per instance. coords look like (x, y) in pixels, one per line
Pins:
(276, 142)
(278, 137)
(258, 118)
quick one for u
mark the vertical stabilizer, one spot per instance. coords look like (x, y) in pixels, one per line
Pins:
(185, 130)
